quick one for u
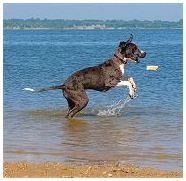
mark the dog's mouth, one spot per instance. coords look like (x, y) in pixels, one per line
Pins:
(136, 60)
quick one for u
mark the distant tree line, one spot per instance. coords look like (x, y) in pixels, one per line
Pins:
(75, 24)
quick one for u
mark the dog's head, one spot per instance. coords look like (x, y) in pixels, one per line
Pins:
(130, 51)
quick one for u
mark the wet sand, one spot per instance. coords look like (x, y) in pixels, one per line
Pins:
(54, 169)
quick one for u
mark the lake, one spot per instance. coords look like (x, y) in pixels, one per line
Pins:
(148, 130)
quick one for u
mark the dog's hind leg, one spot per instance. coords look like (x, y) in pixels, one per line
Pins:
(71, 105)
(77, 108)
(81, 100)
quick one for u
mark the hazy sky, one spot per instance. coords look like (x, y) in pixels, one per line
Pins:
(170, 12)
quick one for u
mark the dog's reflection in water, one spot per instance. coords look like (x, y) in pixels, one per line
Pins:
(77, 125)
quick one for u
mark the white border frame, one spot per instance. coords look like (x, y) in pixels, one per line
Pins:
(84, 1)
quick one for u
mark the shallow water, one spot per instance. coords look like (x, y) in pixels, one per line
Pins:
(147, 131)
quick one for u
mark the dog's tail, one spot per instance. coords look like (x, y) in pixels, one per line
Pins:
(45, 89)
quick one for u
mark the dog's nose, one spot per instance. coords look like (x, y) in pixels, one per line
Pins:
(143, 54)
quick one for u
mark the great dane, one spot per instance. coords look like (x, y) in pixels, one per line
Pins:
(102, 77)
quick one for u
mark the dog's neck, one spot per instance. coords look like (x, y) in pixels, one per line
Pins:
(119, 59)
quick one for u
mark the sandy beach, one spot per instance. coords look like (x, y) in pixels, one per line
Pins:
(59, 170)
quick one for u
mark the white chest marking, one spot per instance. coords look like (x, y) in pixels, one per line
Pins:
(122, 68)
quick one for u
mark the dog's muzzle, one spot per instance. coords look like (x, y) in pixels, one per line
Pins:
(143, 54)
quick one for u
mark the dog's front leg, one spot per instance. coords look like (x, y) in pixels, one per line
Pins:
(129, 82)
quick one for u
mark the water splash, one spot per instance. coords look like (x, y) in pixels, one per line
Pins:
(114, 109)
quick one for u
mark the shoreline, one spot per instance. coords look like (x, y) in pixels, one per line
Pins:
(24, 169)
(54, 29)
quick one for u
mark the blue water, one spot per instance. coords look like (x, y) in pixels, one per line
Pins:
(148, 131)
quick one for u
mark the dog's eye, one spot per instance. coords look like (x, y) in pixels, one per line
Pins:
(133, 50)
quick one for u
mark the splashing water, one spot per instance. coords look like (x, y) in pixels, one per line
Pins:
(114, 109)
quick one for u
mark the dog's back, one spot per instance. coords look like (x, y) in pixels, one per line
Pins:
(101, 77)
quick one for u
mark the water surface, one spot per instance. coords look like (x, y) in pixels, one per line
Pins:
(148, 131)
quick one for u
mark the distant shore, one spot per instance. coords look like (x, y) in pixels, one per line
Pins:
(50, 29)
(63, 24)
(54, 169)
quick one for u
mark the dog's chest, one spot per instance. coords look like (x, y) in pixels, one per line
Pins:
(122, 66)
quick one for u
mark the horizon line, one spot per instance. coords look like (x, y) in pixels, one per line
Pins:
(181, 19)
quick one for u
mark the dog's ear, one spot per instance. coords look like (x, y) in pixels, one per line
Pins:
(130, 39)
(122, 43)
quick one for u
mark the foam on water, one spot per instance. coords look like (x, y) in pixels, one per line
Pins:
(114, 109)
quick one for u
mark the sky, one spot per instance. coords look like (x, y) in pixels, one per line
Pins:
(124, 11)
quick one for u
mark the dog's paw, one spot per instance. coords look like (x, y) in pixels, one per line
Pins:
(131, 93)
(131, 96)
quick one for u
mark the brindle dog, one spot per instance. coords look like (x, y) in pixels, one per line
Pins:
(102, 77)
